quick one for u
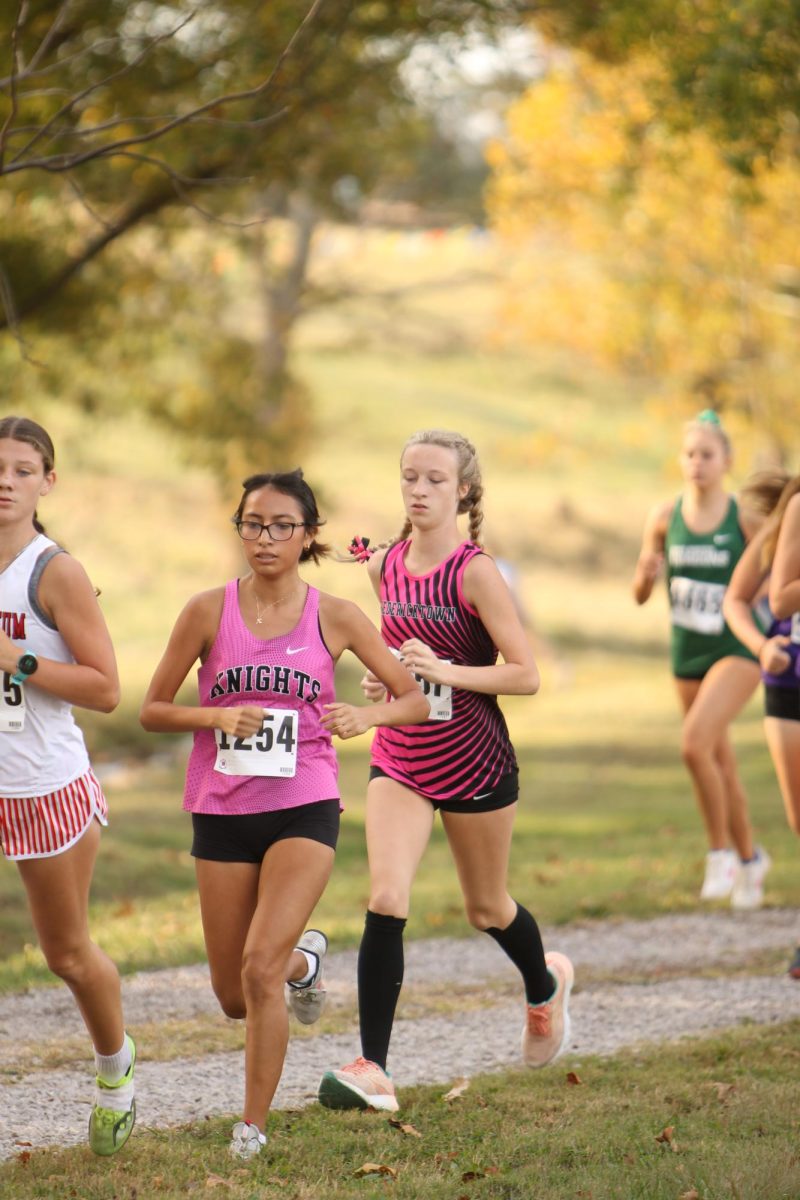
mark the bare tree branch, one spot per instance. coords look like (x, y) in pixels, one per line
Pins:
(4, 132)
(46, 41)
(9, 318)
(93, 87)
(62, 162)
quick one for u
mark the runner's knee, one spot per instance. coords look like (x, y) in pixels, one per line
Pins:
(262, 978)
(484, 915)
(389, 900)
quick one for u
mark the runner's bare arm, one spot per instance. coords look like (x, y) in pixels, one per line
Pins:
(191, 640)
(651, 555)
(487, 593)
(67, 596)
(784, 584)
(345, 627)
(737, 608)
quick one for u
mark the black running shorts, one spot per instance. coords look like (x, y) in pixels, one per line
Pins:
(248, 837)
(505, 792)
(782, 702)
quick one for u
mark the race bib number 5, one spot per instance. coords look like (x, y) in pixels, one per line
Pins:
(697, 606)
(12, 706)
(271, 751)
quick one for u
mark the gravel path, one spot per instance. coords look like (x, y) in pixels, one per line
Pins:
(432, 1049)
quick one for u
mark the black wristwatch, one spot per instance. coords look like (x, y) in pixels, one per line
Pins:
(27, 664)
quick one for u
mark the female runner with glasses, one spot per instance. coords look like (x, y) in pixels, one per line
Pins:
(261, 781)
(447, 611)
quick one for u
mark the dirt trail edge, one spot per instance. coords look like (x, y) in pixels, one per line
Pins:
(606, 1014)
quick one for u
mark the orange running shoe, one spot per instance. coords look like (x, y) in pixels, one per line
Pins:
(547, 1026)
(361, 1084)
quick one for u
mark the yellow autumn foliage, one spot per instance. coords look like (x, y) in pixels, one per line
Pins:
(640, 247)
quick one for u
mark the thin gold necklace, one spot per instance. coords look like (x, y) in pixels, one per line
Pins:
(271, 604)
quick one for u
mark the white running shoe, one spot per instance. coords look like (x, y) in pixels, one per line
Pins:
(246, 1140)
(721, 868)
(748, 889)
(307, 1001)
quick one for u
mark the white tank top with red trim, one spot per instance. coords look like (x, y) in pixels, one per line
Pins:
(41, 747)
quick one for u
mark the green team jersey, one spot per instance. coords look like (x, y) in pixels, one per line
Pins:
(699, 568)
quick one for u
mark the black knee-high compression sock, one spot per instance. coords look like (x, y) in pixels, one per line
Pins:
(380, 977)
(522, 942)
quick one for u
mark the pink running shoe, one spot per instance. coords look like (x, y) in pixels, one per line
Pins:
(361, 1084)
(547, 1026)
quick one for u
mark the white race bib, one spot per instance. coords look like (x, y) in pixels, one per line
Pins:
(795, 632)
(438, 695)
(697, 606)
(12, 706)
(271, 751)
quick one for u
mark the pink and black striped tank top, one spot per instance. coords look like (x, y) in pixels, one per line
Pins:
(469, 753)
(293, 672)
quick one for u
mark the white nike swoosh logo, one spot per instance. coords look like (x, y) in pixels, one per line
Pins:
(482, 796)
(296, 649)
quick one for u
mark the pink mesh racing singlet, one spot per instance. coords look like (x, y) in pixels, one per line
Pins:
(290, 672)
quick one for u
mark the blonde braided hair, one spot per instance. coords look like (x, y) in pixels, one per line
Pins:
(469, 472)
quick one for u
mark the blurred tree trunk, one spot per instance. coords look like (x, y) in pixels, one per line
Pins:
(283, 284)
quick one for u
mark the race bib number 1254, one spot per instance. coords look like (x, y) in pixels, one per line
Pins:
(271, 751)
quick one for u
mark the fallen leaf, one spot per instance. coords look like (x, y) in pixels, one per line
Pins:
(573, 1078)
(449, 1156)
(692, 1194)
(629, 1159)
(468, 1176)
(723, 1090)
(667, 1139)
(408, 1130)
(456, 1091)
(214, 1181)
(24, 1157)
(376, 1169)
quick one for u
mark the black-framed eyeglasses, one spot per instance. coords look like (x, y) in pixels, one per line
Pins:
(278, 531)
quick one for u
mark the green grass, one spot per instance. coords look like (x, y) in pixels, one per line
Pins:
(728, 1104)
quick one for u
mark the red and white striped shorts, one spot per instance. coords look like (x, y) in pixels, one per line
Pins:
(41, 826)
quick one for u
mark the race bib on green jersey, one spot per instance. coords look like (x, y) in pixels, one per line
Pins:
(271, 751)
(12, 706)
(697, 606)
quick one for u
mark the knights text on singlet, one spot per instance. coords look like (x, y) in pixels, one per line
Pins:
(465, 750)
(291, 761)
